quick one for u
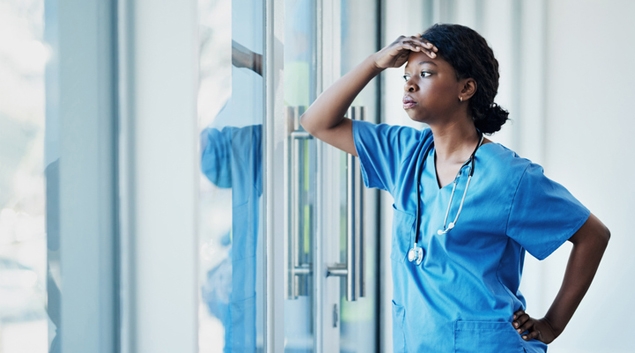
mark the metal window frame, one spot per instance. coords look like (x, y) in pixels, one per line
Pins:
(274, 189)
(82, 102)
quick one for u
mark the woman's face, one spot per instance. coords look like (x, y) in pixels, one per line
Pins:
(431, 90)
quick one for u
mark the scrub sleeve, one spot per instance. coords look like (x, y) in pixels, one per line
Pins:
(543, 214)
(383, 150)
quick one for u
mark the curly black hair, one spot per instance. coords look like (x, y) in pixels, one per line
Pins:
(471, 57)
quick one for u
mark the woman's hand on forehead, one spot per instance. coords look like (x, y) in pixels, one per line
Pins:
(396, 54)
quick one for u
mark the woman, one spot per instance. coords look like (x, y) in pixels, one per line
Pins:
(465, 209)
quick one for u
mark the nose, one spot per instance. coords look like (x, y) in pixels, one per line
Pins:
(410, 86)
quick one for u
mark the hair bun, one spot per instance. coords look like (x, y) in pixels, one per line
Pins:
(491, 119)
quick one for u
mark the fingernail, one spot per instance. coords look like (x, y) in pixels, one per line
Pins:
(524, 337)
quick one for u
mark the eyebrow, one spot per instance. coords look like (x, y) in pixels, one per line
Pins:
(423, 62)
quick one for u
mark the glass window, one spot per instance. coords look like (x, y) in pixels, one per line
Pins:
(24, 274)
(231, 113)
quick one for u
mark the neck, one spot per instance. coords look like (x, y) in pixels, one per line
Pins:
(454, 142)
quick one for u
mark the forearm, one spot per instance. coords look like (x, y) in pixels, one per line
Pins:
(588, 249)
(329, 108)
(243, 57)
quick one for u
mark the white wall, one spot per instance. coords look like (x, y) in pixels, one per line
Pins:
(590, 79)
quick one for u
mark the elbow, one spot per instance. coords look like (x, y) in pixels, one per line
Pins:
(606, 236)
(305, 122)
(593, 233)
(602, 237)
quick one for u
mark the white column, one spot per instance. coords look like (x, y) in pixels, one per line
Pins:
(158, 175)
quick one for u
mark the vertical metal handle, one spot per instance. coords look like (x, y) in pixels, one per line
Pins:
(353, 268)
(297, 270)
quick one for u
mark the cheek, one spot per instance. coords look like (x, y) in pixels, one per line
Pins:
(443, 91)
(438, 93)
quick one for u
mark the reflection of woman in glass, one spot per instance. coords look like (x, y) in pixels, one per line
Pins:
(465, 209)
(231, 158)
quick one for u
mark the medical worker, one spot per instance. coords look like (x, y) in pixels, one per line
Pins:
(465, 209)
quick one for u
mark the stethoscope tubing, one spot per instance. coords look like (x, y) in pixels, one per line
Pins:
(415, 254)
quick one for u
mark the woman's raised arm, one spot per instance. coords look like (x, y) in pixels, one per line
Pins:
(325, 117)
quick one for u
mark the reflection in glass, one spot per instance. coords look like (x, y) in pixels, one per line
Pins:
(24, 325)
(231, 183)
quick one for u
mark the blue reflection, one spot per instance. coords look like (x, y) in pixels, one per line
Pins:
(231, 157)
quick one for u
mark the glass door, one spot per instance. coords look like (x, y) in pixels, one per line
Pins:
(357, 22)
(300, 172)
(330, 239)
(287, 242)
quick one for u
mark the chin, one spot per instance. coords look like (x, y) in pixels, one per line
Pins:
(416, 118)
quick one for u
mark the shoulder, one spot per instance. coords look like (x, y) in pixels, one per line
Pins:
(503, 168)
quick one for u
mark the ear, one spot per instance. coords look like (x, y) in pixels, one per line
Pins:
(468, 88)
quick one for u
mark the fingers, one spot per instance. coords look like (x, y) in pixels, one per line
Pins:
(430, 49)
(527, 327)
(397, 53)
(518, 313)
(535, 334)
(522, 322)
(418, 44)
(525, 323)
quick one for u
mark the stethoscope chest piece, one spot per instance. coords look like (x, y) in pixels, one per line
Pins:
(415, 255)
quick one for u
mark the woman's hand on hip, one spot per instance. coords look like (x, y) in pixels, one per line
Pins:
(530, 328)
(396, 54)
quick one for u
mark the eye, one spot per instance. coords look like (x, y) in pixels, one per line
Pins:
(406, 77)
(426, 73)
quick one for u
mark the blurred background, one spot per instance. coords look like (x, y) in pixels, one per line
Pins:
(158, 195)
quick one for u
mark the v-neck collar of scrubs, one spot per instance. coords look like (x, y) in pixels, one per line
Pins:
(430, 164)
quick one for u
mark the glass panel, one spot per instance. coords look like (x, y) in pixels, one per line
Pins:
(359, 319)
(24, 325)
(299, 91)
(231, 114)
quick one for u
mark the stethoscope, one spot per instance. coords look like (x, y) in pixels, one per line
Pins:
(415, 254)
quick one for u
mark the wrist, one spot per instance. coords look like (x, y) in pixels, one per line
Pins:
(555, 330)
(372, 61)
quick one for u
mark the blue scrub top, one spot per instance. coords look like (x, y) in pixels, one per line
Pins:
(462, 297)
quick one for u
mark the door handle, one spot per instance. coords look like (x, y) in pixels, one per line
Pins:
(299, 210)
(353, 268)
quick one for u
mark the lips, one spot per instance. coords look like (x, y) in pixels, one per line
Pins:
(408, 102)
